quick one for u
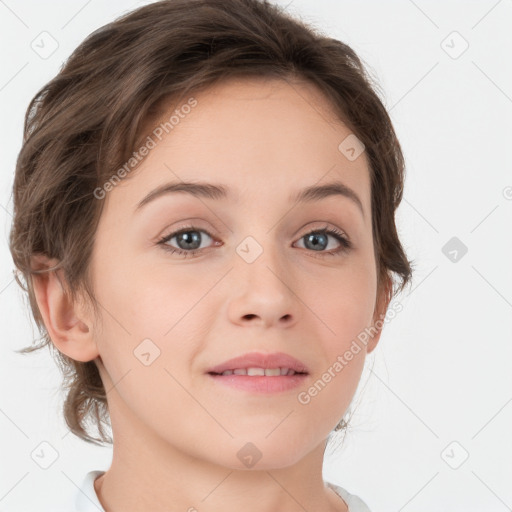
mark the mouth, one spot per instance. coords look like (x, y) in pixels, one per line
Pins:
(259, 380)
(260, 364)
(260, 372)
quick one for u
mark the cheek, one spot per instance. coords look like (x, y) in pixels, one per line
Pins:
(148, 299)
(345, 308)
(153, 310)
(346, 302)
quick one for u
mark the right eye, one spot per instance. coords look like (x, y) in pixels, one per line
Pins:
(189, 238)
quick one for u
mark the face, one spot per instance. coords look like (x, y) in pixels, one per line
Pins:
(251, 270)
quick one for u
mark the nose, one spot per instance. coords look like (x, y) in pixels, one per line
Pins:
(261, 292)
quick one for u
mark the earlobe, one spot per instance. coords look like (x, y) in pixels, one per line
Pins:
(67, 326)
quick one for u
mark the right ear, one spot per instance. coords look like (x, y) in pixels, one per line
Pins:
(68, 325)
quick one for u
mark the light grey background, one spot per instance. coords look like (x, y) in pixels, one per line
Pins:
(440, 388)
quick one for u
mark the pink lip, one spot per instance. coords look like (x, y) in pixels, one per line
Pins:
(261, 360)
(261, 384)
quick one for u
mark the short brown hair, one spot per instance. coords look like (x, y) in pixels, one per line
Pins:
(85, 123)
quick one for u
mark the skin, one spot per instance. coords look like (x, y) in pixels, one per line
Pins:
(176, 434)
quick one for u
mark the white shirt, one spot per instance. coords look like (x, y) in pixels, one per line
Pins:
(86, 499)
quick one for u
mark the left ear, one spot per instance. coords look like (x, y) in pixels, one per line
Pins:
(381, 306)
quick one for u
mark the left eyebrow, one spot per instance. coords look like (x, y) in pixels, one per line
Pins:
(318, 192)
(218, 191)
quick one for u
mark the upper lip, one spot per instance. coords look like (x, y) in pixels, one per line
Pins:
(261, 360)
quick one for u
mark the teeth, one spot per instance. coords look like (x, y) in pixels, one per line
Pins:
(268, 372)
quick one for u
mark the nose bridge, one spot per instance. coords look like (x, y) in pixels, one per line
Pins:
(260, 258)
(261, 274)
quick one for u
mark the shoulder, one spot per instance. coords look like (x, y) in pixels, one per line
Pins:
(86, 499)
(354, 503)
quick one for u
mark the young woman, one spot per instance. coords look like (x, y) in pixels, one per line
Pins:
(204, 220)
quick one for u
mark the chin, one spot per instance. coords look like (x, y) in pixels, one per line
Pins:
(257, 453)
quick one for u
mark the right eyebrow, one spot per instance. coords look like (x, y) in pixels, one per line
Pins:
(201, 189)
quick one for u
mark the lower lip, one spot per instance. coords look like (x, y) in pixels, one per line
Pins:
(261, 384)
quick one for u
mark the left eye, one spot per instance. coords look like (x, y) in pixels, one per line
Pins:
(318, 238)
(189, 241)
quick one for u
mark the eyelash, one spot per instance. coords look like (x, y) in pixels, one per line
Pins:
(345, 244)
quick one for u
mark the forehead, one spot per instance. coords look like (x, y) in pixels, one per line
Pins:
(266, 138)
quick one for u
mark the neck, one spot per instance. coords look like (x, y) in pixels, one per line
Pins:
(147, 473)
